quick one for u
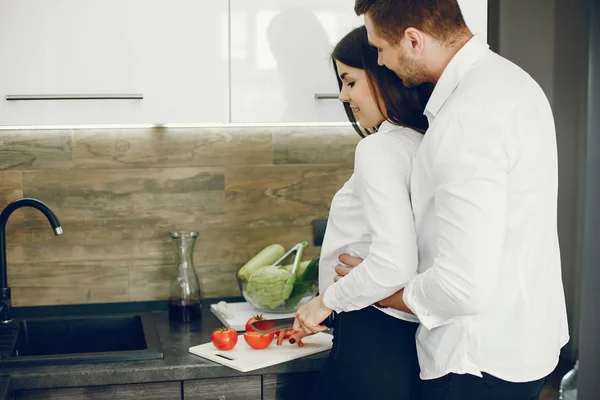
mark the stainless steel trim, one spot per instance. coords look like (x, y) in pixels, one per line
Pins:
(21, 97)
(327, 96)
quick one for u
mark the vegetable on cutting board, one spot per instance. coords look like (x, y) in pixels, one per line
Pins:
(254, 339)
(224, 338)
(266, 256)
(254, 318)
(259, 317)
(288, 333)
(258, 341)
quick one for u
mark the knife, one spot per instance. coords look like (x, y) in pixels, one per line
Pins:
(273, 325)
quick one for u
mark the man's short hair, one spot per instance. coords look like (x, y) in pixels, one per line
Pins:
(441, 19)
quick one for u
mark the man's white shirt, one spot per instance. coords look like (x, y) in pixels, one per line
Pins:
(484, 183)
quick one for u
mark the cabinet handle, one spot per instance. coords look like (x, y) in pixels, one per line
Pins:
(22, 97)
(327, 96)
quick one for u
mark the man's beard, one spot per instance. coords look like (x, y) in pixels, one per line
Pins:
(413, 73)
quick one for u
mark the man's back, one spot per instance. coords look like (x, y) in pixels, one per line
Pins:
(484, 193)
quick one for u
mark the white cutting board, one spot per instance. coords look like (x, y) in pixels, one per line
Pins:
(244, 358)
(240, 313)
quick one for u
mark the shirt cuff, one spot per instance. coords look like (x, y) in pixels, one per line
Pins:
(330, 300)
(427, 319)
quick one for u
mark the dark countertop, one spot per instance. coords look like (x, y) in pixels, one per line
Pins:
(177, 364)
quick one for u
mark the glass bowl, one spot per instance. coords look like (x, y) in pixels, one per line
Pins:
(301, 293)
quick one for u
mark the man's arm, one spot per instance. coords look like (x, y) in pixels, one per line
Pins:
(395, 301)
(469, 167)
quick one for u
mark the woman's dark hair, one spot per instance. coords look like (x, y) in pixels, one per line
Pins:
(403, 106)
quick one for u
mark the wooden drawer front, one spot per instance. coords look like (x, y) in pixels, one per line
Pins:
(244, 388)
(149, 391)
(294, 386)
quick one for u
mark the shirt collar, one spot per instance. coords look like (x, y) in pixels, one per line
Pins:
(469, 54)
(385, 126)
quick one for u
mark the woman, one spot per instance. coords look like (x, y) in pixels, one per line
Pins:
(374, 352)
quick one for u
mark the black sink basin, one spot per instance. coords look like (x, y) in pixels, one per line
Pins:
(85, 339)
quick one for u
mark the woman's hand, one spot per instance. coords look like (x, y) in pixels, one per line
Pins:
(296, 337)
(310, 315)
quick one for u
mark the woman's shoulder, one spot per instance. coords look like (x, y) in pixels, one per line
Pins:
(400, 132)
(393, 139)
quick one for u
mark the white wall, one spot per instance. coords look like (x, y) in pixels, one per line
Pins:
(526, 37)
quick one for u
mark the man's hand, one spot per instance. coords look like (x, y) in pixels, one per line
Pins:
(310, 315)
(343, 270)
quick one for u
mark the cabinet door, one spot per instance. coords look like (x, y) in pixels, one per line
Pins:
(280, 59)
(244, 388)
(148, 391)
(296, 386)
(174, 53)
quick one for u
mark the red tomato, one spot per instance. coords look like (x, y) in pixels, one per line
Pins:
(288, 333)
(258, 341)
(224, 338)
(258, 317)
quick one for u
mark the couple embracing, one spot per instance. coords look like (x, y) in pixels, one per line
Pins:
(441, 258)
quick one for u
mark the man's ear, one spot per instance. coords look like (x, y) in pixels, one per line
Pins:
(415, 40)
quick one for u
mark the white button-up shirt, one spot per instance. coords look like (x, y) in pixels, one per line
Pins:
(489, 292)
(371, 217)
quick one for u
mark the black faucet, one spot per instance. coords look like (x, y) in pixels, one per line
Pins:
(5, 301)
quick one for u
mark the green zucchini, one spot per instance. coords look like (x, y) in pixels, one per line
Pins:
(302, 265)
(308, 272)
(266, 256)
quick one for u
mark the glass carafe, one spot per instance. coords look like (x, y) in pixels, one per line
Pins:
(185, 296)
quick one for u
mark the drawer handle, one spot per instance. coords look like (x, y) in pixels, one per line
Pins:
(327, 96)
(23, 97)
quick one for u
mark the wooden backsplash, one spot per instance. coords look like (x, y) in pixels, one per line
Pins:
(118, 194)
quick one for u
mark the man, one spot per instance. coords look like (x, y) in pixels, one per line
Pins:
(489, 292)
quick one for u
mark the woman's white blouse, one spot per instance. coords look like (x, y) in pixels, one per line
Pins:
(371, 217)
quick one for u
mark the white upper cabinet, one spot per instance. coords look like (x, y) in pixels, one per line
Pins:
(182, 61)
(280, 59)
(173, 53)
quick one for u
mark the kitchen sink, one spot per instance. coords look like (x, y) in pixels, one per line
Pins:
(83, 339)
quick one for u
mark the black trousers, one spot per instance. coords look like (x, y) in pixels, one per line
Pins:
(469, 387)
(373, 356)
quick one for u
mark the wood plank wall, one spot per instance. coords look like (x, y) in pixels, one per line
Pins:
(118, 194)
